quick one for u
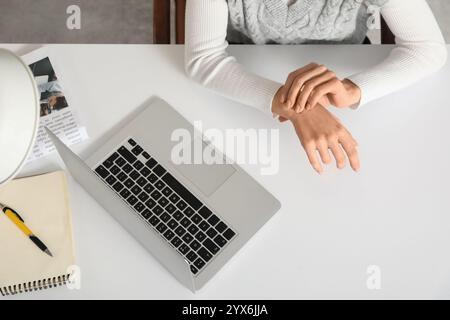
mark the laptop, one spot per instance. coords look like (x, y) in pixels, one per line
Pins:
(193, 218)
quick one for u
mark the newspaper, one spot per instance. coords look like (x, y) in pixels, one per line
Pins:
(56, 111)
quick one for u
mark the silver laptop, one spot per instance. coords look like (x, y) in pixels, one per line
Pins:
(192, 218)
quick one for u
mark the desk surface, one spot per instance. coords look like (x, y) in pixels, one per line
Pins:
(394, 214)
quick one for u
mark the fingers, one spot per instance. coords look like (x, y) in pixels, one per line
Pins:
(350, 148)
(308, 88)
(329, 87)
(296, 84)
(338, 155)
(312, 157)
(290, 79)
(322, 147)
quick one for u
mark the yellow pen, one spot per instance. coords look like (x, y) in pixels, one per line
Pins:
(18, 221)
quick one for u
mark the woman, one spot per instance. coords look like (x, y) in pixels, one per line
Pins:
(304, 97)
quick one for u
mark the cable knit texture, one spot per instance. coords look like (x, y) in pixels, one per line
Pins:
(308, 21)
(420, 48)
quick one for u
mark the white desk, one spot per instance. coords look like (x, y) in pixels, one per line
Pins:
(394, 214)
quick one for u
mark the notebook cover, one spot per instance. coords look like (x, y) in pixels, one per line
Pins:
(42, 201)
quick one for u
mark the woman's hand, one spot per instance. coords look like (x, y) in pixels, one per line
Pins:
(319, 132)
(315, 84)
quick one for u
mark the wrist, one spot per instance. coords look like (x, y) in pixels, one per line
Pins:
(353, 90)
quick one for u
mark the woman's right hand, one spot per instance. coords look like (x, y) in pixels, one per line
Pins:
(319, 132)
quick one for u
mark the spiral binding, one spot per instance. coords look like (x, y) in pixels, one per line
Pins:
(35, 285)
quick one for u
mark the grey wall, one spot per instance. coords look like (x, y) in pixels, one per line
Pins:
(106, 21)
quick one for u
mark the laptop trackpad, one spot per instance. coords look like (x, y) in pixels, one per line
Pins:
(207, 178)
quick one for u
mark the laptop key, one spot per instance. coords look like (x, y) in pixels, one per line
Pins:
(196, 218)
(151, 163)
(127, 168)
(177, 215)
(211, 232)
(204, 225)
(176, 242)
(199, 263)
(174, 198)
(125, 193)
(189, 211)
(145, 172)
(221, 227)
(115, 170)
(213, 220)
(184, 248)
(139, 207)
(129, 183)
(211, 246)
(229, 234)
(118, 186)
(159, 170)
(157, 210)
(132, 142)
(146, 213)
(137, 150)
(205, 254)
(200, 236)
(165, 217)
(120, 161)
(111, 180)
(138, 165)
(170, 208)
(102, 172)
(169, 235)
(193, 229)
(181, 205)
(182, 191)
(192, 256)
(108, 163)
(166, 191)
(132, 200)
(127, 155)
(195, 245)
(161, 227)
(122, 176)
(136, 190)
(156, 195)
(193, 269)
(154, 221)
(159, 185)
(187, 238)
(150, 203)
(146, 155)
(173, 224)
(163, 202)
(221, 241)
(180, 231)
(141, 181)
(152, 178)
(134, 175)
(143, 196)
(205, 212)
(113, 157)
(185, 222)
(149, 188)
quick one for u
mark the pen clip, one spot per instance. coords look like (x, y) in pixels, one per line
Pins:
(18, 216)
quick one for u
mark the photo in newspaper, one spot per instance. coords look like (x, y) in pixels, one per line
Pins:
(56, 112)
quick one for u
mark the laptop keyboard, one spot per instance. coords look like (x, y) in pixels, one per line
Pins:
(173, 211)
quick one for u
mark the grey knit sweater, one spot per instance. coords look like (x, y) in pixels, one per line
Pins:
(303, 21)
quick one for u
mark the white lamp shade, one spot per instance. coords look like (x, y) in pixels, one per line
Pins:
(19, 114)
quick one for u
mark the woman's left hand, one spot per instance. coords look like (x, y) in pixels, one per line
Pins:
(315, 84)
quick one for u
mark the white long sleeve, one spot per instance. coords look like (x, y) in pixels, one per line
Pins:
(421, 51)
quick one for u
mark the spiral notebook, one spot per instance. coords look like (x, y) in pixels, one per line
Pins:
(42, 202)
